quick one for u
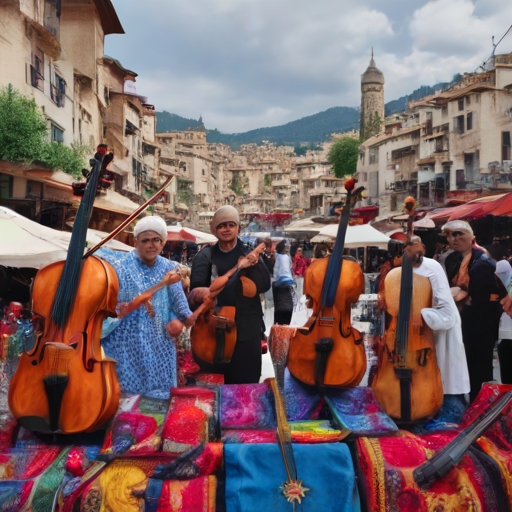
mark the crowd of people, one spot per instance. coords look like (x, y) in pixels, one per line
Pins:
(468, 319)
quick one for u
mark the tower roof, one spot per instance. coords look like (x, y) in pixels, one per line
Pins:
(372, 75)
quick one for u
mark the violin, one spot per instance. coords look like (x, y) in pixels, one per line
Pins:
(327, 351)
(408, 383)
(213, 334)
(64, 382)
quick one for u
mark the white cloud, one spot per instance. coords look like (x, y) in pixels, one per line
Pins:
(245, 64)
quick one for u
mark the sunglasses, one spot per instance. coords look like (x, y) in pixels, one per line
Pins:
(455, 233)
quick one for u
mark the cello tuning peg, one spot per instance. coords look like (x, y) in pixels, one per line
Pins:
(350, 184)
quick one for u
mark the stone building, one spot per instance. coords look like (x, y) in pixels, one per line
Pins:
(53, 51)
(452, 144)
(372, 101)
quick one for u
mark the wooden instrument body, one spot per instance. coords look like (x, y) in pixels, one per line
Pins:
(346, 363)
(426, 384)
(203, 337)
(92, 394)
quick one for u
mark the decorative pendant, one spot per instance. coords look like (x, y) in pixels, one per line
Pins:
(293, 491)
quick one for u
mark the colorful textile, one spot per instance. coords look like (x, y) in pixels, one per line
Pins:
(247, 406)
(20, 464)
(238, 436)
(145, 354)
(448, 418)
(302, 402)
(357, 409)
(386, 468)
(497, 440)
(316, 431)
(133, 433)
(202, 460)
(14, 494)
(192, 412)
(196, 495)
(255, 473)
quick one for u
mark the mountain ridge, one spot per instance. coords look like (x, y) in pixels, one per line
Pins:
(310, 129)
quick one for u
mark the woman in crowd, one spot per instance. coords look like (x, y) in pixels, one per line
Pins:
(504, 272)
(300, 265)
(282, 285)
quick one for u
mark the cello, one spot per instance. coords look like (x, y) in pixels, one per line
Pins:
(327, 351)
(64, 382)
(213, 335)
(408, 383)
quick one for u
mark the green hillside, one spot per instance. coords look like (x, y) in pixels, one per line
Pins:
(167, 122)
(307, 130)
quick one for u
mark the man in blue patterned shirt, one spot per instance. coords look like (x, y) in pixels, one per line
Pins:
(145, 354)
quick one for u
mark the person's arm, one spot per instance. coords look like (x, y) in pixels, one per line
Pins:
(178, 302)
(259, 275)
(201, 274)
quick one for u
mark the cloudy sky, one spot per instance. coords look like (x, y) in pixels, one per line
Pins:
(245, 64)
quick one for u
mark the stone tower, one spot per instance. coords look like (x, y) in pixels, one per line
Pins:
(372, 101)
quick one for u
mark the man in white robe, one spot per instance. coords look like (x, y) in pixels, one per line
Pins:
(444, 319)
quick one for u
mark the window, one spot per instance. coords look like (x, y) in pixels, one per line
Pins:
(203, 172)
(444, 110)
(468, 100)
(37, 70)
(458, 124)
(477, 98)
(461, 104)
(469, 121)
(34, 190)
(57, 134)
(374, 156)
(505, 145)
(5, 186)
(58, 90)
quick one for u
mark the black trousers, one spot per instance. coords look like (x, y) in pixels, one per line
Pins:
(245, 365)
(283, 305)
(505, 358)
(479, 357)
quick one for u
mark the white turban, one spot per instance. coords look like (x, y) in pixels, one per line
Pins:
(225, 213)
(151, 223)
(460, 225)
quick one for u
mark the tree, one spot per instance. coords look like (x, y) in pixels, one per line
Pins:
(343, 156)
(25, 138)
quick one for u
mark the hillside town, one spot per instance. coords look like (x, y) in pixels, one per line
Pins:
(189, 326)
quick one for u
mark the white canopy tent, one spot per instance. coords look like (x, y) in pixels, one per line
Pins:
(27, 244)
(201, 236)
(357, 236)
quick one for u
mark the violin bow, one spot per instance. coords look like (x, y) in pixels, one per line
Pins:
(128, 220)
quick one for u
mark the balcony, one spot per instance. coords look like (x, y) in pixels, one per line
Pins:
(319, 191)
(281, 183)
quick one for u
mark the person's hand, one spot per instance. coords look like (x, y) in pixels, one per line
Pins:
(189, 321)
(198, 295)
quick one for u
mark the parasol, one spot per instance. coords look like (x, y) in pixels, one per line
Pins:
(189, 235)
(26, 243)
(362, 235)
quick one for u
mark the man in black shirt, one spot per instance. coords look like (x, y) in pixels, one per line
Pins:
(481, 311)
(215, 261)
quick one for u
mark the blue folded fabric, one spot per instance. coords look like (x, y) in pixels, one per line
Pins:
(284, 281)
(254, 473)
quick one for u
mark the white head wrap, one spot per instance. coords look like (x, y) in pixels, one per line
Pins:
(458, 225)
(225, 213)
(151, 223)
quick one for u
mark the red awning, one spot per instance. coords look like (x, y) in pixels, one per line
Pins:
(492, 205)
(180, 236)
